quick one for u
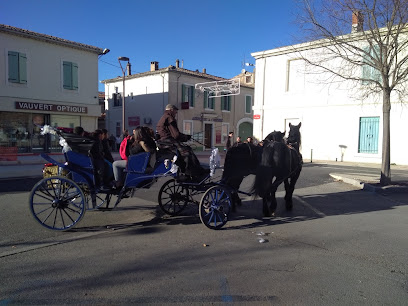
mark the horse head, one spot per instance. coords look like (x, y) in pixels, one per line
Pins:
(275, 136)
(294, 137)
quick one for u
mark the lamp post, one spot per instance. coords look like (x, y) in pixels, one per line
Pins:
(126, 59)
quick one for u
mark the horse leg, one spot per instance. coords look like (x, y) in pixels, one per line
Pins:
(236, 201)
(266, 211)
(290, 188)
(274, 203)
(288, 195)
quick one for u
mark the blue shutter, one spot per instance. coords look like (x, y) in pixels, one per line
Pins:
(22, 65)
(67, 74)
(13, 67)
(248, 104)
(74, 76)
(368, 138)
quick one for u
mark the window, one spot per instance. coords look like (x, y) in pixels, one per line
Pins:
(188, 127)
(70, 75)
(118, 129)
(226, 103)
(188, 94)
(224, 132)
(208, 102)
(248, 104)
(368, 137)
(295, 75)
(17, 67)
(368, 71)
(117, 99)
(248, 79)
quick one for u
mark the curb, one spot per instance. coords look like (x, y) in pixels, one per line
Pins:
(369, 187)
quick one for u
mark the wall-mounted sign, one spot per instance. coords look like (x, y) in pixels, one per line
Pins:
(51, 107)
(134, 121)
(257, 116)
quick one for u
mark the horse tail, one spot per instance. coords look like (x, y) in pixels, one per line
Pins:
(263, 181)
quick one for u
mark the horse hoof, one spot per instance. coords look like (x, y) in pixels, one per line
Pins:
(273, 214)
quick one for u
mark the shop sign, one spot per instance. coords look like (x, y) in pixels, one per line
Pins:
(51, 107)
(134, 121)
(257, 116)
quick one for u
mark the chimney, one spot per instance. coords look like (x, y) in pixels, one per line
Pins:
(129, 69)
(177, 63)
(154, 66)
(204, 70)
(357, 22)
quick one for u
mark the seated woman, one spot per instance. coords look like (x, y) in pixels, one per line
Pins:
(140, 142)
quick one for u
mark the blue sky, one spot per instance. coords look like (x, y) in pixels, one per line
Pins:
(215, 34)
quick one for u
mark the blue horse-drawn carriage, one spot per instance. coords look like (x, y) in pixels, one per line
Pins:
(59, 201)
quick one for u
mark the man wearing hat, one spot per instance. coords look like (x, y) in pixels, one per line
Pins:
(168, 132)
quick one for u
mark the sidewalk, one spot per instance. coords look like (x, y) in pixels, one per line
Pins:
(31, 166)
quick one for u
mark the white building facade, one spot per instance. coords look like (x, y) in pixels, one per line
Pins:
(336, 123)
(44, 80)
(209, 120)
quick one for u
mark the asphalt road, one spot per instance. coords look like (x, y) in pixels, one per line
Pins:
(339, 246)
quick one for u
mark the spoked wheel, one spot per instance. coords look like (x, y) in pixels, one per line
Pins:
(57, 203)
(215, 206)
(173, 197)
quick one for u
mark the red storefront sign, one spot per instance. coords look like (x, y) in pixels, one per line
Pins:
(257, 116)
(134, 121)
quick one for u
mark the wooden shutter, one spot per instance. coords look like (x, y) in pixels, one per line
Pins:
(74, 76)
(22, 67)
(67, 75)
(13, 67)
(192, 95)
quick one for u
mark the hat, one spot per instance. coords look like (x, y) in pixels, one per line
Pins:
(171, 107)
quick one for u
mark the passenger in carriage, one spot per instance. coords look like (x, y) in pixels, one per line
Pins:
(169, 133)
(140, 142)
(98, 160)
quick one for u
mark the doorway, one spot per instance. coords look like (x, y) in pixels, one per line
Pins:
(208, 127)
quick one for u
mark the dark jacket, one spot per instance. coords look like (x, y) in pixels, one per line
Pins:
(167, 128)
(106, 150)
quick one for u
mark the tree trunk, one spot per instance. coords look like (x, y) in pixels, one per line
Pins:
(386, 150)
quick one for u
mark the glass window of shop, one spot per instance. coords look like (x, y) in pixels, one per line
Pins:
(64, 121)
(15, 131)
(23, 130)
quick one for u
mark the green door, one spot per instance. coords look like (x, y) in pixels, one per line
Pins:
(245, 130)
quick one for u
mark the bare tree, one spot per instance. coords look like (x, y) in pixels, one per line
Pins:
(376, 46)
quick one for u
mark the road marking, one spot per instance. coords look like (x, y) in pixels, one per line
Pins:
(307, 205)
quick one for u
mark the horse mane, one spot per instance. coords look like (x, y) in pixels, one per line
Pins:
(275, 136)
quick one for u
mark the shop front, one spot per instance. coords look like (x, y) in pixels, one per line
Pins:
(20, 130)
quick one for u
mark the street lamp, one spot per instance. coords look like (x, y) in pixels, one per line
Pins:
(120, 59)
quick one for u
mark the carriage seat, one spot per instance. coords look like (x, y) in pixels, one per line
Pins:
(139, 163)
(82, 165)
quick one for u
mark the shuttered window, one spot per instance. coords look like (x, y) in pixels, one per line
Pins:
(368, 137)
(208, 102)
(70, 75)
(248, 104)
(187, 93)
(226, 103)
(368, 71)
(17, 67)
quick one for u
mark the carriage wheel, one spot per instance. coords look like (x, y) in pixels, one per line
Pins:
(57, 203)
(215, 206)
(173, 197)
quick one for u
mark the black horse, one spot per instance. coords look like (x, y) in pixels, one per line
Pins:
(280, 160)
(241, 160)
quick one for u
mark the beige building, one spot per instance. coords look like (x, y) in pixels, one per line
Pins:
(44, 80)
(209, 120)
